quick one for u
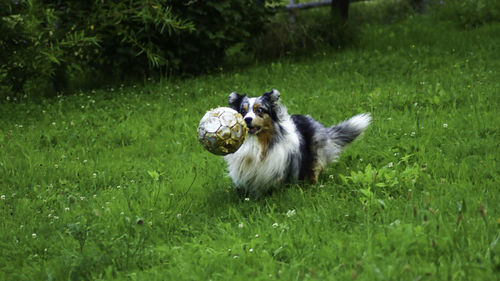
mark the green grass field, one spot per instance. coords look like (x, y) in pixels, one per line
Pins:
(112, 184)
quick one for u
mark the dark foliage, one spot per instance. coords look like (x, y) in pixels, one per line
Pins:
(48, 43)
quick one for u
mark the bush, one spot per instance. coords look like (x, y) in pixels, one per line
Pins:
(35, 48)
(219, 25)
(51, 42)
(467, 13)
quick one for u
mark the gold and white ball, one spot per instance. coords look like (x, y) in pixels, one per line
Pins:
(222, 131)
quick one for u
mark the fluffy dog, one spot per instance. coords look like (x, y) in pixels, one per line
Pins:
(282, 148)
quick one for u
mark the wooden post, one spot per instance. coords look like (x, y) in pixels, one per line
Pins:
(340, 10)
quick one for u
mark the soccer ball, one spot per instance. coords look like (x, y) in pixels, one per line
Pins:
(222, 130)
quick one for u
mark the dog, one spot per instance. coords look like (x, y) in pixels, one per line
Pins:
(282, 148)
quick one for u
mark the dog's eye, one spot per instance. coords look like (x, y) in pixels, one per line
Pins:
(243, 111)
(259, 110)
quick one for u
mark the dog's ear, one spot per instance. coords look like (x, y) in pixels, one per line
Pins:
(234, 100)
(273, 96)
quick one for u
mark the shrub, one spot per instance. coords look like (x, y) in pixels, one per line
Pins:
(467, 13)
(60, 40)
(35, 48)
(219, 25)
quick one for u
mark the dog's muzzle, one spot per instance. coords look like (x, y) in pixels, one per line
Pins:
(251, 129)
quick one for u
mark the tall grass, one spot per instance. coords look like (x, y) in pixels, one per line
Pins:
(112, 184)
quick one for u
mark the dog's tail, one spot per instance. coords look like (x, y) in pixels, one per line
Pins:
(347, 131)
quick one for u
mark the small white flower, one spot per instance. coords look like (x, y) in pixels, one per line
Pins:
(240, 225)
(179, 216)
(390, 165)
(445, 125)
(250, 250)
(275, 225)
(290, 213)
(94, 175)
(236, 257)
(256, 235)
(66, 209)
(94, 196)
(247, 199)
(3, 197)
(33, 235)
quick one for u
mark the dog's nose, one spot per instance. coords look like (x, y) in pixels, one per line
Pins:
(248, 120)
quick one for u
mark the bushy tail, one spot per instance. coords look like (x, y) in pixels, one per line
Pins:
(347, 131)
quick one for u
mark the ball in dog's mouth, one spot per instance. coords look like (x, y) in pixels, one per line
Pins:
(252, 130)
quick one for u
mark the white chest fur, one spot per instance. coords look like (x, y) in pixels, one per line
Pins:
(254, 172)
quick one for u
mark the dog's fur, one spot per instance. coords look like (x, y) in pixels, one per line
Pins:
(282, 148)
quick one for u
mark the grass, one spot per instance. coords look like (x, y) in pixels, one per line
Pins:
(112, 184)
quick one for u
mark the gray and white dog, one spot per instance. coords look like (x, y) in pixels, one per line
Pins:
(282, 148)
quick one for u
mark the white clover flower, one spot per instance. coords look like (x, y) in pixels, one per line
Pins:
(33, 235)
(240, 225)
(250, 250)
(275, 225)
(179, 215)
(2, 197)
(66, 209)
(390, 165)
(445, 125)
(290, 213)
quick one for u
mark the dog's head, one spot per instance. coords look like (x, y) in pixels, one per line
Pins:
(259, 113)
